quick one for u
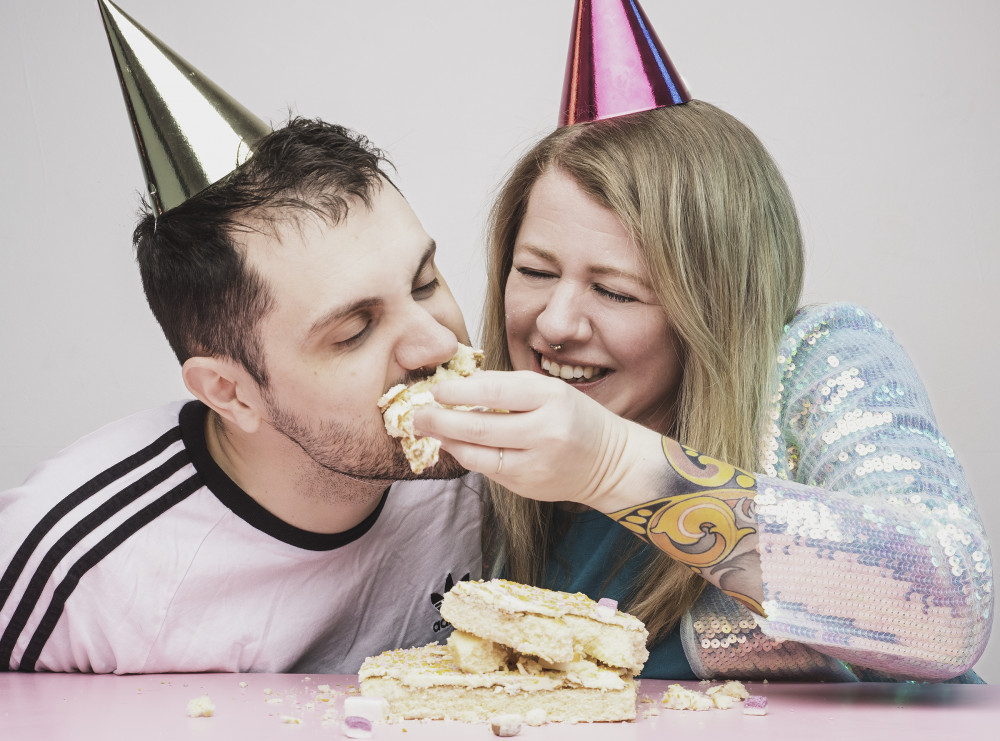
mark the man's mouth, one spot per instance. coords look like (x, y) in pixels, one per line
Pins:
(570, 372)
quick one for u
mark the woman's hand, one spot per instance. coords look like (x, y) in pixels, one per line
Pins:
(560, 445)
(553, 444)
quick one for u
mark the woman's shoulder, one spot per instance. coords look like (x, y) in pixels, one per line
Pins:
(837, 314)
(821, 324)
(826, 343)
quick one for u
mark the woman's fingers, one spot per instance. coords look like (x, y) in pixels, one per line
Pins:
(514, 391)
(553, 443)
(513, 410)
(485, 460)
(473, 427)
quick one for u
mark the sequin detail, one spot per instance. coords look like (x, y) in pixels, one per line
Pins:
(872, 550)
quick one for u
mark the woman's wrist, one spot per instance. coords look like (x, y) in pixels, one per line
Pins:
(699, 511)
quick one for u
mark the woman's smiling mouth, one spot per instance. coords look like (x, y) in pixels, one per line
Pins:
(570, 372)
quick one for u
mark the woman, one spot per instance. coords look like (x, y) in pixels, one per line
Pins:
(653, 261)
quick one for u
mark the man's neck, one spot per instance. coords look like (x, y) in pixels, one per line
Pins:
(283, 480)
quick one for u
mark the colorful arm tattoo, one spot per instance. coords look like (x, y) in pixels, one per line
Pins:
(706, 522)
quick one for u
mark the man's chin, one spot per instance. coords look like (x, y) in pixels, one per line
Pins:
(446, 468)
(391, 465)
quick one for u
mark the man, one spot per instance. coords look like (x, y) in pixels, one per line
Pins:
(256, 528)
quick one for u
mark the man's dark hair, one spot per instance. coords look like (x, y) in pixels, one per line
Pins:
(205, 296)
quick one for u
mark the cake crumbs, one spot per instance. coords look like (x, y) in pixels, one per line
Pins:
(536, 717)
(507, 724)
(720, 697)
(732, 688)
(201, 707)
(722, 702)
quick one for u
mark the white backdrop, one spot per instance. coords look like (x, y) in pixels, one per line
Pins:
(882, 113)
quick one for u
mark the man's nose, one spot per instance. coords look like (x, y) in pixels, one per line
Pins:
(425, 342)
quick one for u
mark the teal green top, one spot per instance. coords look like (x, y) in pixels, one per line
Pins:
(581, 562)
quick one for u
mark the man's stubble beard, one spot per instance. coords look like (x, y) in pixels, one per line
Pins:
(344, 450)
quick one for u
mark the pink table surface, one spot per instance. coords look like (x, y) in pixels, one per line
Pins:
(107, 708)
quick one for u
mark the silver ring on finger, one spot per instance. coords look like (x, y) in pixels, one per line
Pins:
(500, 463)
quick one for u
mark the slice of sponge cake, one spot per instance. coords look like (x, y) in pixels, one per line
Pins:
(425, 682)
(554, 626)
(520, 650)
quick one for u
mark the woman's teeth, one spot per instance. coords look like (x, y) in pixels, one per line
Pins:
(571, 372)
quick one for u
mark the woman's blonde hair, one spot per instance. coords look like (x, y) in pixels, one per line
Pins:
(716, 225)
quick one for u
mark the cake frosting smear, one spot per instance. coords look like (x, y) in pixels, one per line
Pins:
(542, 655)
(400, 401)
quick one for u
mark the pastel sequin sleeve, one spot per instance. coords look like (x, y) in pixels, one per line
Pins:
(871, 546)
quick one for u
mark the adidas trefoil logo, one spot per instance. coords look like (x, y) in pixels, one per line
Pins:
(437, 599)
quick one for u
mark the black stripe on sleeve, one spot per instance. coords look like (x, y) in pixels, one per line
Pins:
(71, 538)
(96, 484)
(114, 539)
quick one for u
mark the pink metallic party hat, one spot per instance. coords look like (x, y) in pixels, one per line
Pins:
(189, 132)
(616, 64)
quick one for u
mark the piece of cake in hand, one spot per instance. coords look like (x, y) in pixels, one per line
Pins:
(399, 402)
(554, 626)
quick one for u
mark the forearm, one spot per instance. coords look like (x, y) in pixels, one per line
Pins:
(701, 512)
(871, 548)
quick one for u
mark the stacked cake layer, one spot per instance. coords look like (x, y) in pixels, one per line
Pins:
(548, 656)
(554, 626)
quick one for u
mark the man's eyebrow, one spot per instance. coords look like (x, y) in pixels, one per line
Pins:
(364, 304)
(602, 270)
(341, 312)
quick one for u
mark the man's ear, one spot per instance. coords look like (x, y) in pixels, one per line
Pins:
(226, 388)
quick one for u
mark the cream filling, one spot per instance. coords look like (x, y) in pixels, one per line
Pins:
(571, 372)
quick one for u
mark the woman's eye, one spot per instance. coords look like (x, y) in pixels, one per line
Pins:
(621, 298)
(426, 290)
(532, 273)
